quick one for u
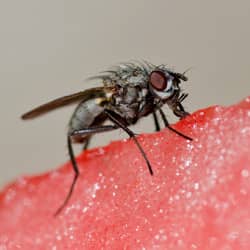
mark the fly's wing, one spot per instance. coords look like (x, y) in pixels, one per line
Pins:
(66, 100)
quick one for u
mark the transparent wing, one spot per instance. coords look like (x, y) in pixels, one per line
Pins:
(66, 100)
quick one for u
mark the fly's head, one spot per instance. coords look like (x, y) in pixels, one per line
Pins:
(141, 86)
(164, 84)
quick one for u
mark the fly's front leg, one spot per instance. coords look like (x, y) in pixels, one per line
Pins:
(167, 125)
(82, 132)
(178, 109)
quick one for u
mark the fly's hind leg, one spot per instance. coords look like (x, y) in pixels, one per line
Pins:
(82, 132)
(76, 174)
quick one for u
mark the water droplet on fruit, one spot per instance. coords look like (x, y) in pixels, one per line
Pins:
(85, 209)
(177, 197)
(196, 186)
(243, 191)
(157, 236)
(233, 235)
(244, 173)
(188, 195)
(245, 130)
(187, 163)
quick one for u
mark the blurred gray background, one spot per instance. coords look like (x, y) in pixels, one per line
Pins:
(48, 48)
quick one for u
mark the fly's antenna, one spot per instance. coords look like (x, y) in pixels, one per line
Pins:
(188, 69)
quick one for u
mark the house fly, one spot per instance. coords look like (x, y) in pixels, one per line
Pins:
(130, 91)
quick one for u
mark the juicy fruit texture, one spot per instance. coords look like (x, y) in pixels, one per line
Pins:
(198, 197)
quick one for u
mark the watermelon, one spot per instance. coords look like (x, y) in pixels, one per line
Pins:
(198, 197)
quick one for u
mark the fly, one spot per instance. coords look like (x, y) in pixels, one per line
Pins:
(130, 91)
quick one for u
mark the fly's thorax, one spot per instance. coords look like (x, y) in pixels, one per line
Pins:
(128, 101)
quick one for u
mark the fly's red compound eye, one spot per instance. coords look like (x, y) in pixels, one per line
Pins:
(158, 80)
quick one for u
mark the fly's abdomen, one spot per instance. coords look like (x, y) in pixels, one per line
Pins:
(85, 114)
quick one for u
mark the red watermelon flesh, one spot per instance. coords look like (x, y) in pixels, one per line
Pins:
(198, 198)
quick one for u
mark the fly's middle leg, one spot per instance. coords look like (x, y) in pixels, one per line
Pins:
(119, 122)
(156, 122)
